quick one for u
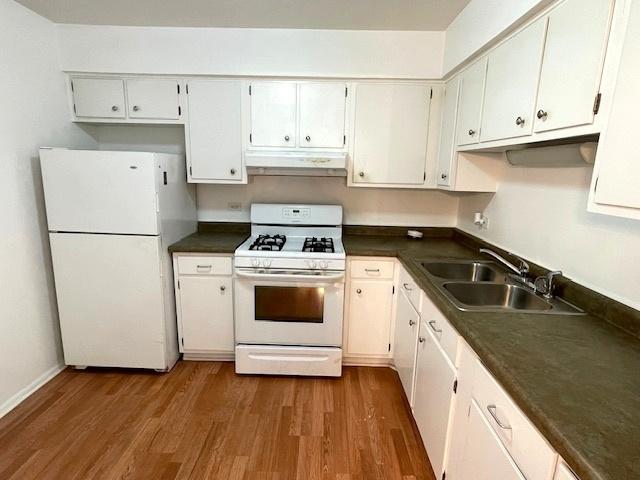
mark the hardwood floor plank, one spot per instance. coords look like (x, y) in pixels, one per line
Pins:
(202, 421)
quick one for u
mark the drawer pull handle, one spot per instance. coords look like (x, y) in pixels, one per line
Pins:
(411, 323)
(222, 288)
(421, 339)
(433, 324)
(492, 411)
(208, 267)
(406, 287)
(359, 291)
(372, 270)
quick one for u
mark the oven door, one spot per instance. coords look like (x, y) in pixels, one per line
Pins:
(288, 307)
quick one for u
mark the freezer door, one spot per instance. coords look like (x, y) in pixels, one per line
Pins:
(100, 192)
(110, 299)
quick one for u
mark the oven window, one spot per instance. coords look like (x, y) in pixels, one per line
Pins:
(289, 304)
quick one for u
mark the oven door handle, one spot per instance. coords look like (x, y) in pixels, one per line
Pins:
(289, 277)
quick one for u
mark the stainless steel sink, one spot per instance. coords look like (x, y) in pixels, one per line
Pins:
(472, 271)
(495, 295)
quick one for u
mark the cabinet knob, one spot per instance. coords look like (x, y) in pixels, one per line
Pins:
(472, 132)
(136, 108)
(520, 121)
(307, 138)
(359, 291)
(361, 174)
(115, 108)
(421, 339)
(286, 138)
(411, 323)
(232, 171)
(542, 115)
(443, 176)
(223, 288)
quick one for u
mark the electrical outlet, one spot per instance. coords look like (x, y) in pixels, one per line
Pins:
(234, 206)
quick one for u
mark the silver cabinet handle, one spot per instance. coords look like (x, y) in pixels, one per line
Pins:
(421, 339)
(115, 108)
(136, 108)
(361, 174)
(406, 287)
(372, 270)
(208, 267)
(433, 324)
(542, 115)
(286, 138)
(520, 121)
(232, 171)
(223, 288)
(411, 323)
(443, 176)
(472, 132)
(492, 411)
(359, 291)
(307, 138)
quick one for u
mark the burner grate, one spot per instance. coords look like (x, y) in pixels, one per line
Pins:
(273, 243)
(320, 245)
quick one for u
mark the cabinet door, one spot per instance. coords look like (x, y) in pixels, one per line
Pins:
(446, 150)
(214, 140)
(484, 457)
(390, 138)
(369, 317)
(470, 104)
(404, 343)
(153, 99)
(98, 97)
(573, 56)
(619, 166)
(206, 312)
(433, 396)
(512, 79)
(273, 114)
(322, 115)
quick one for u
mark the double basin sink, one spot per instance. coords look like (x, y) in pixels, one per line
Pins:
(483, 286)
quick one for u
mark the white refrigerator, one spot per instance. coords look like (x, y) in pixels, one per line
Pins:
(111, 217)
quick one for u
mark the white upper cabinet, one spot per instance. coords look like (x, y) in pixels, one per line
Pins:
(154, 99)
(391, 130)
(616, 188)
(98, 97)
(322, 115)
(572, 65)
(273, 114)
(214, 131)
(512, 79)
(470, 103)
(446, 152)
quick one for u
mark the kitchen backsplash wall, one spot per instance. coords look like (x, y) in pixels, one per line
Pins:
(219, 203)
(541, 214)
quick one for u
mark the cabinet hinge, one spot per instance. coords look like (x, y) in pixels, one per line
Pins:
(250, 138)
(346, 91)
(186, 88)
(74, 108)
(164, 178)
(455, 386)
(344, 140)
(178, 284)
(190, 171)
(182, 341)
(179, 110)
(431, 94)
(389, 347)
(596, 103)
(249, 89)
(444, 475)
(393, 289)
(178, 85)
(595, 186)
(424, 177)
(72, 85)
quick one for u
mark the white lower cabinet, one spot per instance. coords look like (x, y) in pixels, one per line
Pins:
(204, 304)
(405, 339)
(563, 472)
(433, 396)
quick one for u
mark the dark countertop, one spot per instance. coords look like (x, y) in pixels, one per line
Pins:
(577, 378)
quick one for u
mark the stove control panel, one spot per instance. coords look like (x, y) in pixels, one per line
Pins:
(293, 213)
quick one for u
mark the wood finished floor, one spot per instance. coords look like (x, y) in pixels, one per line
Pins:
(203, 421)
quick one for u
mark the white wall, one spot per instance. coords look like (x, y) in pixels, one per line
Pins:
(479, 23)
(35, 113)
(238, 51)
(541, 214)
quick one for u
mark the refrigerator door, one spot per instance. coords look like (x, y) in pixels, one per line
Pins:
(100, 192)
(110, 299)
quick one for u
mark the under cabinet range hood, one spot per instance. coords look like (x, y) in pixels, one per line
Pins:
(550, 154)
(319, 164)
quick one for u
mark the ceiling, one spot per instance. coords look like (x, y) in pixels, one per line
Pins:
(314, 14)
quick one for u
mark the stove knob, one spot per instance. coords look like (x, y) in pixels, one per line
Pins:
(266, 263)
(255, 262)
(324, 265)
(312, 264)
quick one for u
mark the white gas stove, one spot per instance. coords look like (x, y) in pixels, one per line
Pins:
(289, 291)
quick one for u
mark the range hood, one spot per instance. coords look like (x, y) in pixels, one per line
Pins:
(320, 164)
(576, 152)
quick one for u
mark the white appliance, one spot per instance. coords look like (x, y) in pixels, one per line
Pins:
(321, 164)
(111, 216)
(289, 291)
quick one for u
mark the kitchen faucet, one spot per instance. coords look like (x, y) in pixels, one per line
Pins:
(522, 270)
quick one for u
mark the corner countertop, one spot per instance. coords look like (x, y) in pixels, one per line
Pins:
(577, 378)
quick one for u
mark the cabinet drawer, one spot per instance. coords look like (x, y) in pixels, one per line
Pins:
(528, 448)
(188, 265)
(408, 286)
(372, 269)
(440, 326)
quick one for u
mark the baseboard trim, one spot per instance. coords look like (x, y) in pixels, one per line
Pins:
(22, 395)
(366, 362)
